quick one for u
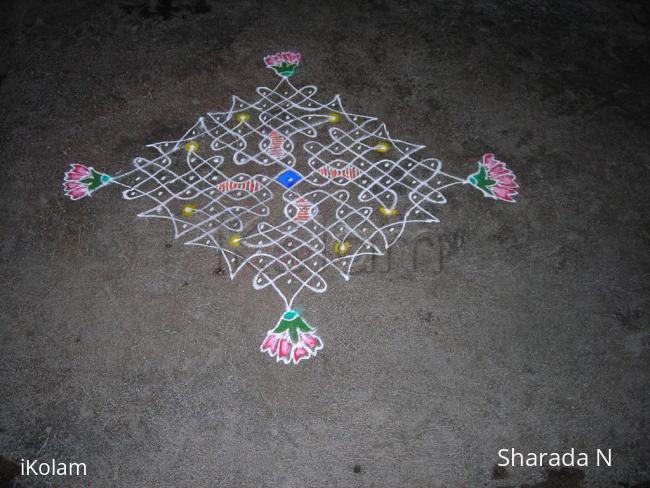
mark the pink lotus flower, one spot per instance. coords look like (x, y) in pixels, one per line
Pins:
(81, 180)
(494, 179)
(75, 190)
(77, 172)
(284, 63)
(292, 340)
(272, 60)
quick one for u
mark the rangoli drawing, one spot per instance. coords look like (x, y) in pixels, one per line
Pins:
(291, 188)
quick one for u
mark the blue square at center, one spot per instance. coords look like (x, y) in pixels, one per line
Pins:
(289, 178)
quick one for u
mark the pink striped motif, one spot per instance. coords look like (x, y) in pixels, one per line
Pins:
(304, 213)
(349, 173)
(250, 185)
(275, 148)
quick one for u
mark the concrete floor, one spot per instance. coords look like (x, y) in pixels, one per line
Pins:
(520, 326)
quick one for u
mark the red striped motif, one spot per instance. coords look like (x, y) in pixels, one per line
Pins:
(275, 148)
(349, 173)
(250, 185)
(304, 210)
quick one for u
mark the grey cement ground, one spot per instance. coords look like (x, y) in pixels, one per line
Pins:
(520, 326)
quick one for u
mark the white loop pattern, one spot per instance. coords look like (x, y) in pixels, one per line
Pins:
(288, 186)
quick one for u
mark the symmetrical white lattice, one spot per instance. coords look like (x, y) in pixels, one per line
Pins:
(289, 186)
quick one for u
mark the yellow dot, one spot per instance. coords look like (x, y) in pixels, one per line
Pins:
(243, 117)
(382, 147)
(388, 212)
(189, 210)
(234, 240)
(334, 117)
(341, 248)
(192, 146)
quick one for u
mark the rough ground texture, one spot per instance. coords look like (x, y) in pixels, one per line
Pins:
(520, 326)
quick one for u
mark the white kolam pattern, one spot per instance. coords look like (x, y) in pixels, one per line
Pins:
(289, 187)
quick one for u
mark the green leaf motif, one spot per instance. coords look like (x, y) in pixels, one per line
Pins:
(95, 180)
(293, 335)
(481, 180)
(285, 69)
(292, 322)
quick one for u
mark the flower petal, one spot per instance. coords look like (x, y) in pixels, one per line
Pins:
(284, 350)
(77, 193)
(300, 353)
(77, 172)
(508, 181)
(270, 344)
(504, 194)
(488, 160)
(273, 60)
(311, 341)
